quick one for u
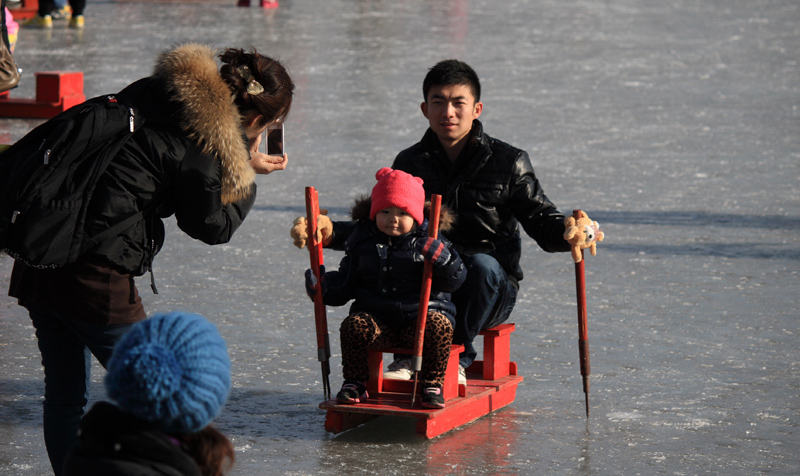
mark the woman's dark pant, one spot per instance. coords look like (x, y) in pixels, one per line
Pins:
(67, 346)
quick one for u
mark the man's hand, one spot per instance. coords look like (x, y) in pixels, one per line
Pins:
(299, 231)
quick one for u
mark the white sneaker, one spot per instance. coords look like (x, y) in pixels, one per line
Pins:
(462, 376)
(400, 369)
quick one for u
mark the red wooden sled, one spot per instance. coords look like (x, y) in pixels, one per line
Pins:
(491, 385)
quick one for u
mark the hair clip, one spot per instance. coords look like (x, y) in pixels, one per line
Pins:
(253, 86)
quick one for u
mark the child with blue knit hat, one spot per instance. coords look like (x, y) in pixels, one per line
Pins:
(382, 273)
(169, 377)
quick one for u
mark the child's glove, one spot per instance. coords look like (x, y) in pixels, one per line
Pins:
(434, 251)
(299, 231)
(311, 282)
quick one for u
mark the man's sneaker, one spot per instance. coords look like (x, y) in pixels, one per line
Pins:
(62, 13)
(462, 376)
(39, 22)
(400, 369)
(352, 391)
(76, 22)
(432, 397)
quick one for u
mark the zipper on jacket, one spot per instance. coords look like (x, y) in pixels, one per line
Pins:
(150, 266)
(131, 119)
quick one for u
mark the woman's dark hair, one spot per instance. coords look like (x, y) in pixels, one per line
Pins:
(452, 72)
(210, 449)
(276, 99)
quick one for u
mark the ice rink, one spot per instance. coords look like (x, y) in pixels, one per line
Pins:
(673, 123)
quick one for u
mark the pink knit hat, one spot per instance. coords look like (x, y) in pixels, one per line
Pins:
(396, 188)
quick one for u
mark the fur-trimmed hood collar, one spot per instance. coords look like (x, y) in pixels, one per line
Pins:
(362, 204)
(208, 114)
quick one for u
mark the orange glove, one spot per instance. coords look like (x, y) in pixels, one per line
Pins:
(299, 231)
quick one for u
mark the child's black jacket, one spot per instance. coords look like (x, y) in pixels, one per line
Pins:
(383, 274)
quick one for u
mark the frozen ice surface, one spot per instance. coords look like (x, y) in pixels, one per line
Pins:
(675, 124)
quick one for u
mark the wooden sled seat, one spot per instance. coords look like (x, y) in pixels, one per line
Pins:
(491, 385)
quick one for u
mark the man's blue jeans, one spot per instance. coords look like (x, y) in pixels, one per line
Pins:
(66, 346)
(485, 300)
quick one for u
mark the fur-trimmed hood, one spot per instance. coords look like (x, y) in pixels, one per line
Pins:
(362, 204)
(208, 114)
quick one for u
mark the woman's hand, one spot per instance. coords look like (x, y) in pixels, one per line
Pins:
(265, 164)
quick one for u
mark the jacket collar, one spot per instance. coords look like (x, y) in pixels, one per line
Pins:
(479, 146)
(208, 114)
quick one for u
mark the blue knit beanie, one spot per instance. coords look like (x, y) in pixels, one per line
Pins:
(171, 370)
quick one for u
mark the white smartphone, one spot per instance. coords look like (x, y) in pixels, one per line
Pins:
(272, 141)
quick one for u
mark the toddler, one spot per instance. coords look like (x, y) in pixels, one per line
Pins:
(381, 272)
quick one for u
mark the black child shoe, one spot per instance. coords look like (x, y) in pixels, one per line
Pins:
(352, 391)
(432, 397)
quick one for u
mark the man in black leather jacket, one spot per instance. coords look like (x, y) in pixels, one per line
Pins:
(492, 188)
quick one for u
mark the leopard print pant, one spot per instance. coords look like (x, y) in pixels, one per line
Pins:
(360, 332)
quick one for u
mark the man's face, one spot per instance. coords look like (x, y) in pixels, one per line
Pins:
(450, 111)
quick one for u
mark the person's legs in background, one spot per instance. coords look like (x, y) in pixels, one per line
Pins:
(42, 19)
(76, 20)
(61, 10)
(44, 16)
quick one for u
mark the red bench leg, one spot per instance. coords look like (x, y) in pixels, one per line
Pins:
(377, 384)
(496, 361)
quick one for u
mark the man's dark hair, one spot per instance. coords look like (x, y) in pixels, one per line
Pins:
(451, 72)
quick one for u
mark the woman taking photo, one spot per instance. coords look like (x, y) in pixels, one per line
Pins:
(196, 157)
